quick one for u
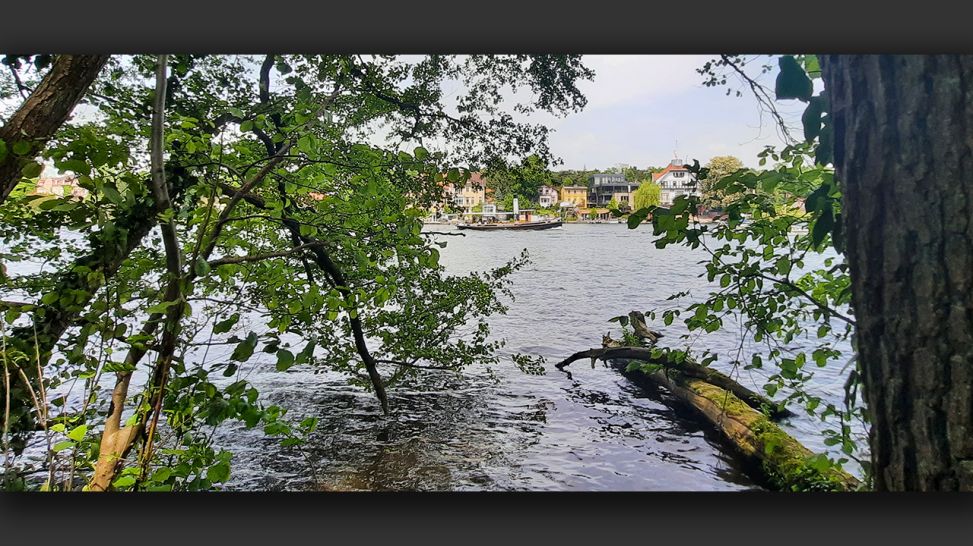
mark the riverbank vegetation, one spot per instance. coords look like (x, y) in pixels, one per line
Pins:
(238, 202)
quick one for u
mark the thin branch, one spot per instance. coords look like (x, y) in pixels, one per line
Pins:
(258, 257)
(809, 297)
(761, 94)
(414, 365)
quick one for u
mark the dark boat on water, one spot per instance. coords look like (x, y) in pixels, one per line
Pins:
(504, 226)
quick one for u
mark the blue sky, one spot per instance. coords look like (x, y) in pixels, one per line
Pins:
(640, 106)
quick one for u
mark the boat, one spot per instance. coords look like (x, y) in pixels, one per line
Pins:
(501, 226)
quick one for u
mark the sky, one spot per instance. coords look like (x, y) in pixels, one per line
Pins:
(643, 109)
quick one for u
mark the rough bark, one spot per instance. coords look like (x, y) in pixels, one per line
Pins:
(904, 158)
(44, 111)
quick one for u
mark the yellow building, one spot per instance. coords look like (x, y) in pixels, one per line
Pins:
(575, 194)
(471, 194)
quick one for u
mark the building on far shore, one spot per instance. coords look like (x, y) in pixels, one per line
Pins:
(60, 186)
(673, 181)
(547, 197)
(471, 194)
(605, 187)
(574, 195)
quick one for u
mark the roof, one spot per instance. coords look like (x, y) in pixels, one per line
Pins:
(669, 168)
(477, 178)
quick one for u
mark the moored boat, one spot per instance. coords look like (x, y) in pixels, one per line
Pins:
(502, 226)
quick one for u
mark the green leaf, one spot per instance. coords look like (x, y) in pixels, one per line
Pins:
(792, 82)
(224, 326)
(219, 472)
(112, 195)
(811, 119)
(77, 433)
(308, 351)
(304, 144)
(124, 481)
(638, 217)
(824, 152)
(822, 227)
(285, 359)
(201, 267)
(244, 349)
(161, 307)
(162, 474)
(32, 170)
(61, 446)
(812, 65)
(21, 147)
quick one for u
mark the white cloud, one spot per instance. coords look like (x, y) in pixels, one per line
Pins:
(635, 79)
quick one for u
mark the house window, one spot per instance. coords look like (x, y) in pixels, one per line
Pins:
(679, 174)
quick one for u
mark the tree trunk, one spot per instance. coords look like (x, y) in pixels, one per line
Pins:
(904, 158)
(44, 111)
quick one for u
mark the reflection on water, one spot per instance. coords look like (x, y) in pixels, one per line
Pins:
(500, 429)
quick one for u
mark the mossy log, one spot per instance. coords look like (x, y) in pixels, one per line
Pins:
(772, 456)
(775, 457)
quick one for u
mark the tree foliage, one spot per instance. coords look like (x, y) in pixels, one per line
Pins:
(298, 240)
(522, 180)
(763, 263)
(717, 168)
(647, 195)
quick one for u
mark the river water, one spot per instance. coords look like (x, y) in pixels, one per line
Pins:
(501, 429)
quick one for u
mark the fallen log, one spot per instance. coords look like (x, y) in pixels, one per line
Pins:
(686, 368)
(772, 457)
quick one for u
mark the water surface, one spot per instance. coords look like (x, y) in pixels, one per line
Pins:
(500, 429)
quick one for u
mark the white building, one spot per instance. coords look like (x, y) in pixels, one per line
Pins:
(674, 181)
(547, 197)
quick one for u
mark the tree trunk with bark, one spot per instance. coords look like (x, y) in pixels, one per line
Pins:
(903, 136)
(44, 111)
